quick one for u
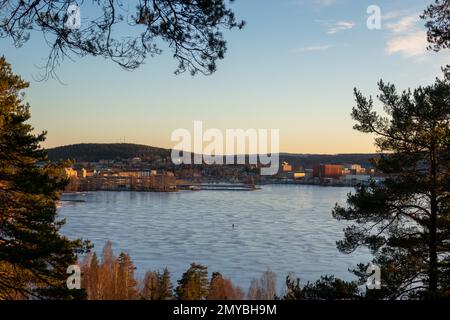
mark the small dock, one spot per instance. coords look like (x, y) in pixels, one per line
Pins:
(218, 187)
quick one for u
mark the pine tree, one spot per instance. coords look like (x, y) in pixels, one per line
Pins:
(326, 288)
(194, 283)
(192, 29)
(126, 281)
(405, 221)
(33, 255)
(165, 285)
(438, 25)
(157, 286)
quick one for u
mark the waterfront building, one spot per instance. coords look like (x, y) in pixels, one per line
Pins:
(286, 167)
(323, 171)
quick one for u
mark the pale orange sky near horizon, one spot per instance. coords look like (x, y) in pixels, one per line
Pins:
(291, 141)
(293, 67)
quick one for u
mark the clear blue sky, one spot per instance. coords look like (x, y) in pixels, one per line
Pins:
(293, 67)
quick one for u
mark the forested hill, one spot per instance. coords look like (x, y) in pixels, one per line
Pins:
(106, 151)
(114, 151)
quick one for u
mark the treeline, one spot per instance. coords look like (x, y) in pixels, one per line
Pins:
(113, 278)
(119, 151)
(106, 151)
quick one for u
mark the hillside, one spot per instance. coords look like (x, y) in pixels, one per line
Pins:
(113, 151)
(106, 151)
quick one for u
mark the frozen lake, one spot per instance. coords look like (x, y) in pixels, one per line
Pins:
(288, 228)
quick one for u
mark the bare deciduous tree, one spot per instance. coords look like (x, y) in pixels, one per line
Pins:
(265, 288)
(112, 279)
(254, 292)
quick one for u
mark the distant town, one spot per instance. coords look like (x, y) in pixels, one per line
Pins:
(158, 173)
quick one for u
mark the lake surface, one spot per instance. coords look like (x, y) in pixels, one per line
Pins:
(288, 228)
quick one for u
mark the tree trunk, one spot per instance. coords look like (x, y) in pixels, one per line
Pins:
(433, 246)
(433, 272)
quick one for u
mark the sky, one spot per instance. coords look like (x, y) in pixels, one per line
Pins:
(293, 68)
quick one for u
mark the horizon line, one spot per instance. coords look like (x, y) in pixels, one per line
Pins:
(171, 149)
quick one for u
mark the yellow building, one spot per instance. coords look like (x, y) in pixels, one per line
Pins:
(299, 175)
